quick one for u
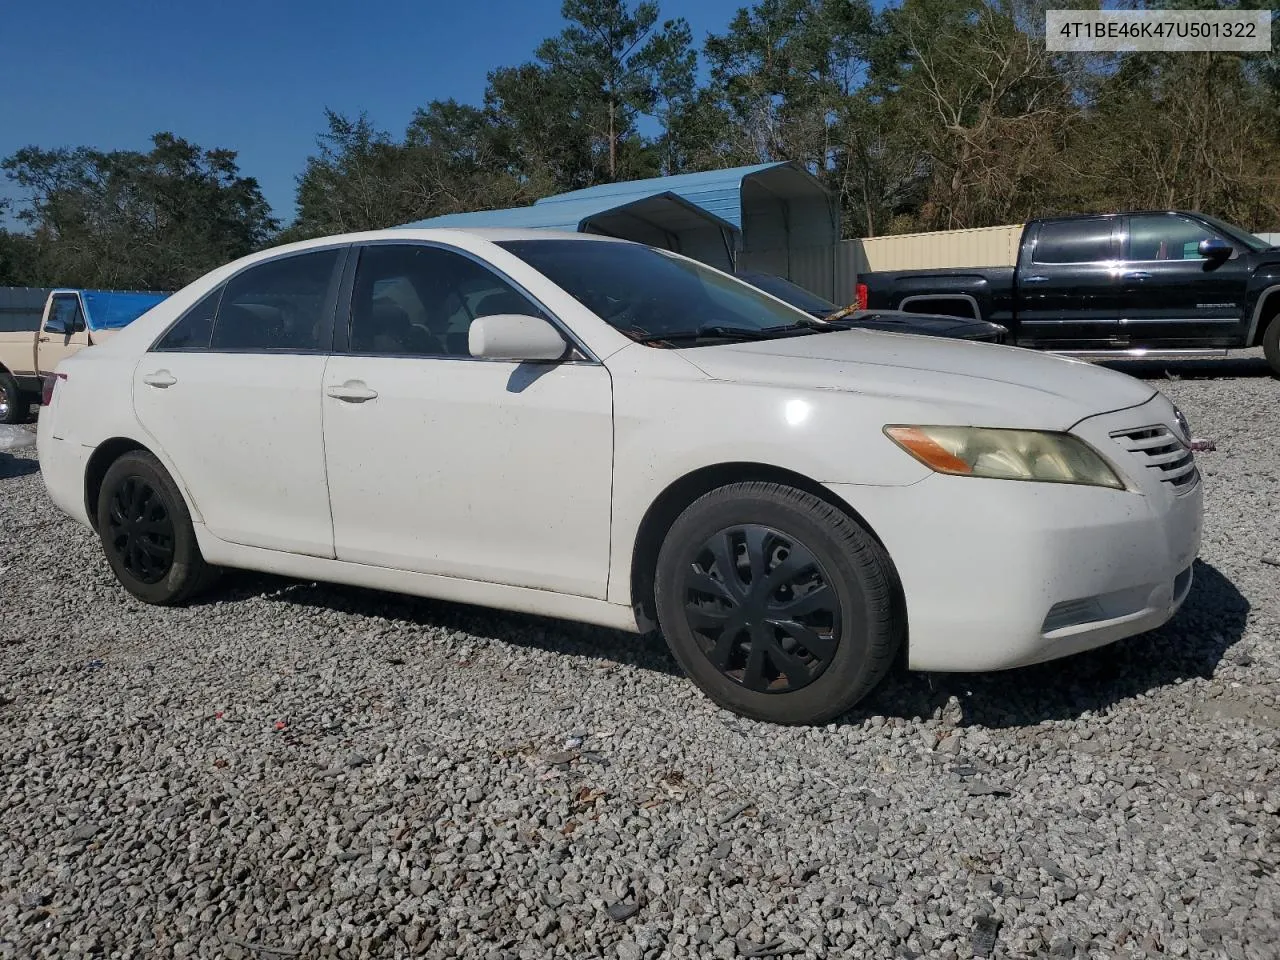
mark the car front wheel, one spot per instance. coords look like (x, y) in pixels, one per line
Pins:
(146, 532)
(778, 605)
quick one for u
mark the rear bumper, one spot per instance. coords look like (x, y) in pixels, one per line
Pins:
(999, 574)
(62, 467)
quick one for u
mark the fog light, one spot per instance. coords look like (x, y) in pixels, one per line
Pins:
(1070, 613)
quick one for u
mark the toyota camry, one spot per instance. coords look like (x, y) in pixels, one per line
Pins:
(601, 431)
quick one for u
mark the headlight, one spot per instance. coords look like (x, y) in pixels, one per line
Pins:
(1001, 454)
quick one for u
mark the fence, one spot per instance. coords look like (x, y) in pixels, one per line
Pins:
(21, 308)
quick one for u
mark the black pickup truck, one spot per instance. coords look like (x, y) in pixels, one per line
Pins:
(1161, 283)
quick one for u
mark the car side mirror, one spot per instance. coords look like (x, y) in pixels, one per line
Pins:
(55, 325)
(511, 336)
(1215, 248)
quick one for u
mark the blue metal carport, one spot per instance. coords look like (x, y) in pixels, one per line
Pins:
(659, 219)
(773, 217)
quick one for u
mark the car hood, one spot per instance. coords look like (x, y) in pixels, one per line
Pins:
(962, 380)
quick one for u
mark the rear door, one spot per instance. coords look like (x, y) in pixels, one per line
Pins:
(1068, 288)
(231, 393)
(62, 333)
(1172, 296)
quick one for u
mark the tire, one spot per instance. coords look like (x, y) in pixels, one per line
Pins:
(1271, 344)
(146, 532)
(838, 591)
(15, 406)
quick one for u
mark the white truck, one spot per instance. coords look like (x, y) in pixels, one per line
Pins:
(70, 321)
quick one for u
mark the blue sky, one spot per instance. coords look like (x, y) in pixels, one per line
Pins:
(256, 76)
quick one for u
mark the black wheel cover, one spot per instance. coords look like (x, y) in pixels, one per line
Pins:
(140, 531)
(762, 608)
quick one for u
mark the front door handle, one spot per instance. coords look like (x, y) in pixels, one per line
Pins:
(1137, 275)
(353, 391)
(44, 339)
(161, 378)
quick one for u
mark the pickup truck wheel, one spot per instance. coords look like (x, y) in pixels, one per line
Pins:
(1271, 344)
(146, 532)
(14, 406)
(779, 606)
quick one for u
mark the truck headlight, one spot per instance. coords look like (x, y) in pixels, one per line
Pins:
(1001, 454)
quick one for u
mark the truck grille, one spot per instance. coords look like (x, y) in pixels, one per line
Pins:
(1160, 449)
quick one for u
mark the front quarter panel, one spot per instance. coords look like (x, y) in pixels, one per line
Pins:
(670, 420)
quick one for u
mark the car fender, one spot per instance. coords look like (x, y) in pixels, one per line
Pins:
(799, 431)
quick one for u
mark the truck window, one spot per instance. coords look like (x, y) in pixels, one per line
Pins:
(1075, 241)
(1164, 236)
(66, 310)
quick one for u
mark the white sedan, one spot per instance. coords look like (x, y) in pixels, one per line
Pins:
(601, 431)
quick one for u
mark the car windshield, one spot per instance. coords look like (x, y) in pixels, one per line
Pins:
(795, 295)
(1256, 244)
(654, 296)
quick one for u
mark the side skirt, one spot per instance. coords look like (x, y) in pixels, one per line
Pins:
(495, 595)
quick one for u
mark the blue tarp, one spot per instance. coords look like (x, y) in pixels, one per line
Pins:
(109, 310)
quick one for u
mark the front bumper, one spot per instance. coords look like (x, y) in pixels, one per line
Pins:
(999, 574)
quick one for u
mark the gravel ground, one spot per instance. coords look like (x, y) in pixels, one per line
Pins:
(289, 770)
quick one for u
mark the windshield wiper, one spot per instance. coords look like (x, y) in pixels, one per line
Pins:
(805, 323)
(710, 332)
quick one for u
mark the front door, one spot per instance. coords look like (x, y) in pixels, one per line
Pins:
(445, 464)
(62, 333)
(1068, 290)
(1172, 296)
(231, 394)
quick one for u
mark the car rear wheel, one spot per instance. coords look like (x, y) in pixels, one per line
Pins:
(146, 532)
(14, 406)
(778, 605)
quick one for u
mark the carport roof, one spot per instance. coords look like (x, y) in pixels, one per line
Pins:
(718, 192)
(664, 210)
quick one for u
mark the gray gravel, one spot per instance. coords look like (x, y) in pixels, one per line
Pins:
(297, 770)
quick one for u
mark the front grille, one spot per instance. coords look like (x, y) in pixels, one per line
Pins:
(1159, 448)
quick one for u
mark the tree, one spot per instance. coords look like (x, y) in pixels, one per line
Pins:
(17, 256)
(362, 179)
(153, 220)
(982, 104)
(1188, 131)
(618, 68)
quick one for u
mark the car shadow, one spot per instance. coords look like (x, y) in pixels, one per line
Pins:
(12, 467)
(1207, 369)
(1191, 645)
(648, 652)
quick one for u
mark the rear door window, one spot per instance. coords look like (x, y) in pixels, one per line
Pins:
(281, 305)
(194, 328)
(1076, 241)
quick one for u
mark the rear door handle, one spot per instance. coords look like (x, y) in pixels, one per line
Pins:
(1036, 279)
(161, 378)
(1137, 275)
(353, 391)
